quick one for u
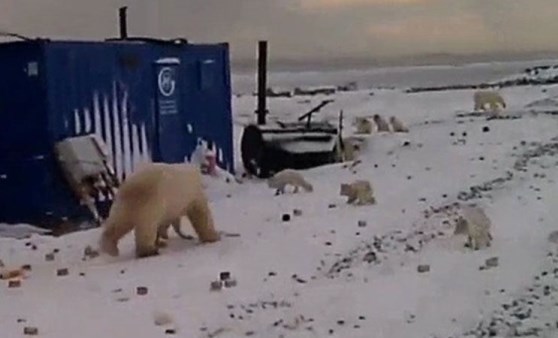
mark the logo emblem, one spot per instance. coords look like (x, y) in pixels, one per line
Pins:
(166, 81)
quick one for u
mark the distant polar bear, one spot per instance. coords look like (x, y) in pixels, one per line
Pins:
(359, 192)
(493, 99)
(476, 225)
(397, 126)
(347, 149)
(151, 199)
(381, 124)
(363, 125)
(285, 177)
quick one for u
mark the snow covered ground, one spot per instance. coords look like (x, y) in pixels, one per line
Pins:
(336, 270)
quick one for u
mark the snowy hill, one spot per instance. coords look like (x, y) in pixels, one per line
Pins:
(335, 270)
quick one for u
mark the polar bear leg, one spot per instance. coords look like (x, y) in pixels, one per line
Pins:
(474, 243)
(163, 229)
(370, 200)
(485, 240)
(163, 232)
(112, 232)
(478, 105)
(162, 236)
(146, 239)
(352, 199)
(201, 219)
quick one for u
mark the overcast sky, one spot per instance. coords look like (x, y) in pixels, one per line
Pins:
(305, 28)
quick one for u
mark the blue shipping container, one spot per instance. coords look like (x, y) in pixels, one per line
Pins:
(148, 100)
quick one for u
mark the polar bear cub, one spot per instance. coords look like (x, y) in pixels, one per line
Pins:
(152, 198)
(381, 124)
(363, 125)
(397, 126)
(359, 192)
(476, 225)
(492, 98)
(286, 177)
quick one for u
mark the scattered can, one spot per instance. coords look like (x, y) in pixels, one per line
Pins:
(141, 290)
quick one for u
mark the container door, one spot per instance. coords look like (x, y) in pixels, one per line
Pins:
(171, 131)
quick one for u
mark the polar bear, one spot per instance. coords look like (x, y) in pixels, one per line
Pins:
(397, 126)
(347, 149)
(152, 198)
(285, 177)
(381, 124)
(476, 225)
(363, 125)
(493, 99)
(359, 192)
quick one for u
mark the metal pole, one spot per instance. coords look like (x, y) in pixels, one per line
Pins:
(261, 111)
(123, 22)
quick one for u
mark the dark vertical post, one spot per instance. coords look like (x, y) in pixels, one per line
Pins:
(123, 21)
(261, 111)
(340, 131)
(340, 122)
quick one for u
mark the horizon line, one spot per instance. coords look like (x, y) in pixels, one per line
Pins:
(242, 64)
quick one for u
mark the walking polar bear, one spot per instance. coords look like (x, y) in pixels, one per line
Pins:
(493, 99)
(359, 192)
(476, 225)
(285, 177)
(150, 200)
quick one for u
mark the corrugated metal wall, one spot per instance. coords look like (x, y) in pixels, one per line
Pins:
(105, 90)
(112, 89)
(24, 140)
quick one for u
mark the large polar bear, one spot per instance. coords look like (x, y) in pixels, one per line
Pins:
(492, 98)
(151, 199)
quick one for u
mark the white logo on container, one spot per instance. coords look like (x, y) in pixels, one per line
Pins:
(166, 81)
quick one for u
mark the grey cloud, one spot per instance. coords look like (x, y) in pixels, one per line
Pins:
(346, 30)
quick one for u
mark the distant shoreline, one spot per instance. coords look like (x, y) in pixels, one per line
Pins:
(244, 66)
(396, 76)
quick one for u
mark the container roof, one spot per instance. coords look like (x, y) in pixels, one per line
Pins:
(129, 40)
